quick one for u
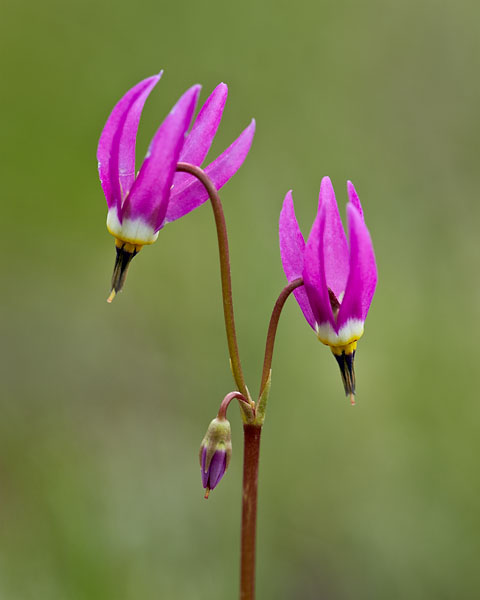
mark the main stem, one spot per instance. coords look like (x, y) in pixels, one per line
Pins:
(251, 455)
(224, 270)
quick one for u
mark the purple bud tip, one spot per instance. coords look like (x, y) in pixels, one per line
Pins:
(216, 469)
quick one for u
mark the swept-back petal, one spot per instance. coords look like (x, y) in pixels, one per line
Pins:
(200, 138)
(314, 271)
(335, 247)
(292, 249)
(353, 197)
(219, 171)
(362, 279)
(148, 198)
(116, 147)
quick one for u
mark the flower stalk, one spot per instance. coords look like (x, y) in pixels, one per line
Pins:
(226, 278)
(244, 403)
(272, 330)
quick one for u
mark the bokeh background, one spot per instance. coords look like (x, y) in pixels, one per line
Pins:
(103, 407)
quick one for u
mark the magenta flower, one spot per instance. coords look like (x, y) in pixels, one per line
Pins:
(140, 204)
(339, 280)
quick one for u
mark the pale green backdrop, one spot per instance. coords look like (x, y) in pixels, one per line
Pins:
(103, 407)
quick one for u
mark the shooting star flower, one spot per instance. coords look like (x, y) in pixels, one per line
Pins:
(139, 205)
(339, 278)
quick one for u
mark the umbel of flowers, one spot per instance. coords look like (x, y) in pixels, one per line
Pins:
(332, 278)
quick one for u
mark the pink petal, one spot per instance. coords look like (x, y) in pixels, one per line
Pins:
(200, 138)
(220, 171)
(362, 279)
(335, 247)
(116, 147)
(353, 197)
(314, 270)
(148, 198)
(292, 249)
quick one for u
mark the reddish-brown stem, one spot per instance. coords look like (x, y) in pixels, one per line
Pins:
(272, 329)
(224, 270)
(222, 411)
(251, 455)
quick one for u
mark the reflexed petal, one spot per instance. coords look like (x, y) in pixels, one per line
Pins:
(335, 247)
(200, 138)
(219, 171)
(148, 198)
(292, 249)
(314, 271)
(116, 147)
(363, 271)
(353, 197)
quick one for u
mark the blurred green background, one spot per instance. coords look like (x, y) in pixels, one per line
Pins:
(103, 407)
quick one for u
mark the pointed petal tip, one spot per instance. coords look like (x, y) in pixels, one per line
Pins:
(221, 92)
(194, 91)
(327, 193)
(191, 95)
(152, 81)
(287, 219)
(156, 78)
(287, 201)
(222, 87)
(351, 190)
(249, 131)
(353, 198)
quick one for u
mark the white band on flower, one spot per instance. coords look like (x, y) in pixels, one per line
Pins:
(135, 232)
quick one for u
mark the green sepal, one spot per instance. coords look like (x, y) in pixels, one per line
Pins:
(262, 402)
(247, 410)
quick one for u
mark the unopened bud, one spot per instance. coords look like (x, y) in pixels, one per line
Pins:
(215, 452)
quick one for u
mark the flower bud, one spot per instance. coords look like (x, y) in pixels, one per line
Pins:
(215, 452)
